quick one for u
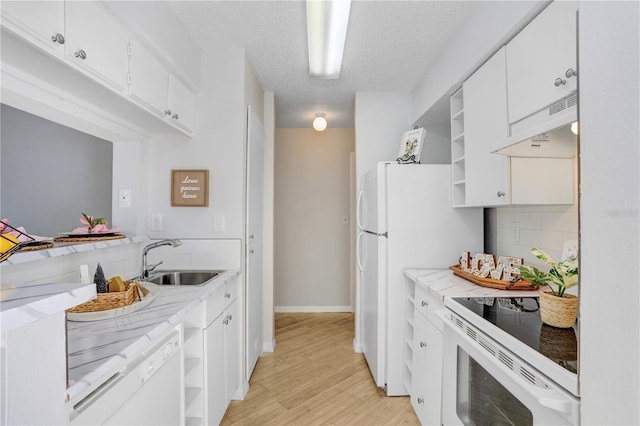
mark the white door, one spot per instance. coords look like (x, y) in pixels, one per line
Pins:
(255, 194)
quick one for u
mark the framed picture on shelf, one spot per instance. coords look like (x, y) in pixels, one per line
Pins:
(411, 146)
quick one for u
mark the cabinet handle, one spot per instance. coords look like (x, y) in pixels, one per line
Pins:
(57, 38)
(500, 194)
(252, 251)
(175, 116)
(251, 237)
(167, 112)
(423, 344)
(559, 82)
(81, 54)
(420, 400)
(227, 295)
(424, 303)
(570, 73)
(229, 317)
(225, 321)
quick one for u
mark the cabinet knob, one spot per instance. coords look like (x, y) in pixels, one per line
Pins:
(175, 116)
(500, 194)
(167, 112)
(559, 82)
(227, 295)
(252, 251)
(57, 38)
(81, 54)
(251, 237)
(424, 303)
(229, 317)
(225, 321)
(420, 400)
(570, 73)
(423, 344)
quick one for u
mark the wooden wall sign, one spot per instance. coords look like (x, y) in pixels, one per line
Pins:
(190, 188)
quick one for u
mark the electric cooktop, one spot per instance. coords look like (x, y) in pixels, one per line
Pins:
(520, 318)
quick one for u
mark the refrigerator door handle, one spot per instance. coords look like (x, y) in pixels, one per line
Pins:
(359, 209)
(358, 246)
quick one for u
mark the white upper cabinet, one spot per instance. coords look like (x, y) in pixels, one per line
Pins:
(485, 105)
(181, 104)
(97, 42)
(40, 22)
(541, 61)
(149, 79)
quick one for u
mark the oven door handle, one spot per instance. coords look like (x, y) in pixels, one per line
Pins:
(555, 404)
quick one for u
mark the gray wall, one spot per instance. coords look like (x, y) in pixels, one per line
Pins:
(50, 174)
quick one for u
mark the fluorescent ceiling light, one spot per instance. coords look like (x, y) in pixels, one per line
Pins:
(327, 22)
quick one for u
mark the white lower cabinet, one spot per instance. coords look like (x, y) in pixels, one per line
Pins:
(423, 353)
(426, 396)
(222, 351)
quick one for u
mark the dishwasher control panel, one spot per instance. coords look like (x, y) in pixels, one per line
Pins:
(158, 357)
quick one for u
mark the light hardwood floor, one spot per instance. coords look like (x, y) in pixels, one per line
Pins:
(315, 378)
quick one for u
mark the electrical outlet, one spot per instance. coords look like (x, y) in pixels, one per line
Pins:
(569, 249)
(515, 232)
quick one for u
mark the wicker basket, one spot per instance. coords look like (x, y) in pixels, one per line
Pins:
(105, 301)
(557, 311)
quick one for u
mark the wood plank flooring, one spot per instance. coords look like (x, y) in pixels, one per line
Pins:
(315, 378)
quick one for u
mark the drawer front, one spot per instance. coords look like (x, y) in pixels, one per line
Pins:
(423, 300)
(216, 303)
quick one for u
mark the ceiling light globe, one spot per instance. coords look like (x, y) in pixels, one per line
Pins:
(320, 123)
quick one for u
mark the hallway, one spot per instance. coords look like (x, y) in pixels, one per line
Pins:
(315, 378)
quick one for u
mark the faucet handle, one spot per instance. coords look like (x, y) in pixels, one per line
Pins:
(151, 268)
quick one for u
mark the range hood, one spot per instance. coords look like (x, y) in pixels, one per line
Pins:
(546, 133)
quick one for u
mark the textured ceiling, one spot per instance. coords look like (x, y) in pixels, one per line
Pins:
(390, 46)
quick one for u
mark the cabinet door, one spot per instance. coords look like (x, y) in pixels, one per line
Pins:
(539, 55)
(485, 123)
(182, 104)
(148, 78)
(97, 42)
(233, 356)
(254, 305)
(426, 395)
(39, 22)
(216, 403)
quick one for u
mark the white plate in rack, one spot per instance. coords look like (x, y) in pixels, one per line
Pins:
(154, 289)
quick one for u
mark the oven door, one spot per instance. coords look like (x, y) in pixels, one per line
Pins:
(484, 384)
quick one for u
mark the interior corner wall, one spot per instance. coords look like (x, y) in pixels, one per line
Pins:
(312, 237)
(380, 120)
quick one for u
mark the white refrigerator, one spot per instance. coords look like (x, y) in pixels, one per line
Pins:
(405, 220)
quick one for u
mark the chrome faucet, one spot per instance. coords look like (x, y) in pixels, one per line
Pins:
(144, 270)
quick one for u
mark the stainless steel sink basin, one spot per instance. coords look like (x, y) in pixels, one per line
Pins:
(187, 277)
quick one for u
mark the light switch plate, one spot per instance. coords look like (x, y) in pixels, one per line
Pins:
(156, 222)
(124, 198)
(569, 249)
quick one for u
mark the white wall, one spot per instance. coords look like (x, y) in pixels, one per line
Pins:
(312, 244)
(380, 120)
(610, 212)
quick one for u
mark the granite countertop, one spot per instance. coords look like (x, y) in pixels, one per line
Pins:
(99, 349)
(443, 283)
(26, 303)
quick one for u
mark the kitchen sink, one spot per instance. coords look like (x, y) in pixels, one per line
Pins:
(182, 277)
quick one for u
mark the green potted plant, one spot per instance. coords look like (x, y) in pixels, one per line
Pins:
(557, 308)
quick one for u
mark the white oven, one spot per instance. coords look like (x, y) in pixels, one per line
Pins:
(484, 383)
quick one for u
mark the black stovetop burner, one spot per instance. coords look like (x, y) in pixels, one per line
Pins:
(520, 317)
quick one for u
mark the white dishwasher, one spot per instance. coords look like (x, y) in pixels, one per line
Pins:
(148, 391)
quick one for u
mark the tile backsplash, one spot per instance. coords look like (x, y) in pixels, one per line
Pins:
(518, 229)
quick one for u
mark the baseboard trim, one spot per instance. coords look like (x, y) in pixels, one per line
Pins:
(312, 309)
(357, 347)
(269, 346)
